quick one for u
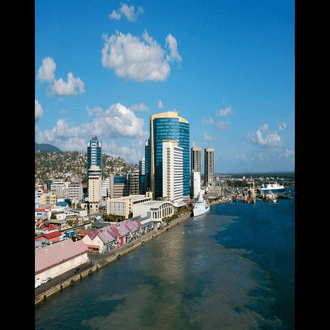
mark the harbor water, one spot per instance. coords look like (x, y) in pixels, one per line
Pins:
(232, 268)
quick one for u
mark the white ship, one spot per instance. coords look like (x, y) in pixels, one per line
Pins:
(273, 186)
(201, 207)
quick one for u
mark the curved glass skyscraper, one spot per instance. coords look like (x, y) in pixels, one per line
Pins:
(167, 126)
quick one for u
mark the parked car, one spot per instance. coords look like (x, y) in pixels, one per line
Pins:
(77, 270)
(46, 280)
(37, 283)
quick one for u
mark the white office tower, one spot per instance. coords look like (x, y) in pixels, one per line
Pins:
(172, 171)
(94, 188)
(196, 183)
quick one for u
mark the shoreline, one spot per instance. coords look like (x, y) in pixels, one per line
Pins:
(115, 255)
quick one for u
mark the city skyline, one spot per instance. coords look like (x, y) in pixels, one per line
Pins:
(104, 68)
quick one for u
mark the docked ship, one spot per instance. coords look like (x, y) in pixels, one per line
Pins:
(201, 207)
(273, 186)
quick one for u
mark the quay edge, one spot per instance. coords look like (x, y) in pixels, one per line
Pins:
(131, 246)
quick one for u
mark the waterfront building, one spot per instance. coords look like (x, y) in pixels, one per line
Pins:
(208, 165)
(172, 171)
(167, 126)
(94, 154)
(94, 188)
(196, 159)
(56, 259)
(104, 239)
(155, 210)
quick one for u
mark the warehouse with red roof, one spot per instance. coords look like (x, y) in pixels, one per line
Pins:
(103, 239)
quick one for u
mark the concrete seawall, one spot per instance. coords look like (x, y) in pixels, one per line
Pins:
(89, 271)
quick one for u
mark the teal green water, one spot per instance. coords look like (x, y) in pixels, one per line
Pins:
(230, 269)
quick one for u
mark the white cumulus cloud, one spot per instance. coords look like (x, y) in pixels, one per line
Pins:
(116, 122)
(207, 121)
(46, 73)
(47, 70)
(265, 137)
(172, 44)
(37, 111)
(136, 59)
(73, 87)
(224, 112)
(139, 107)
(128, 11)
(211, 138)
(221, 125)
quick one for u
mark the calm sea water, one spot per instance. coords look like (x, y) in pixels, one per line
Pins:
(233, 268)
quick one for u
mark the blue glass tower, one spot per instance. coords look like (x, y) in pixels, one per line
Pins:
(167, 126)
(94, 154)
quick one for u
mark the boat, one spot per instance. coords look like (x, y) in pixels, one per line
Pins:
(201, 207)
(271, 197)
(273, 186)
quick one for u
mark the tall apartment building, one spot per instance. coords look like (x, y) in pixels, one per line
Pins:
(94, 188)
(167, 126)
(172, 171)
(208, 165)
(94, 154)
(196, 159)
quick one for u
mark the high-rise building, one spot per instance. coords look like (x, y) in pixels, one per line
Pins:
(147, 166)
(196, 159)
(94, 154)
(208, 165)
(167, 126)
(133, 183)
(172, 171)
(94, 188)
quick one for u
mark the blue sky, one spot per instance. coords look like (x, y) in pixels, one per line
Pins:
(103, 67)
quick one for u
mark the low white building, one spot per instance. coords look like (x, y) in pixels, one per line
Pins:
(123, 206)
(155, 210)
(56, 259)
